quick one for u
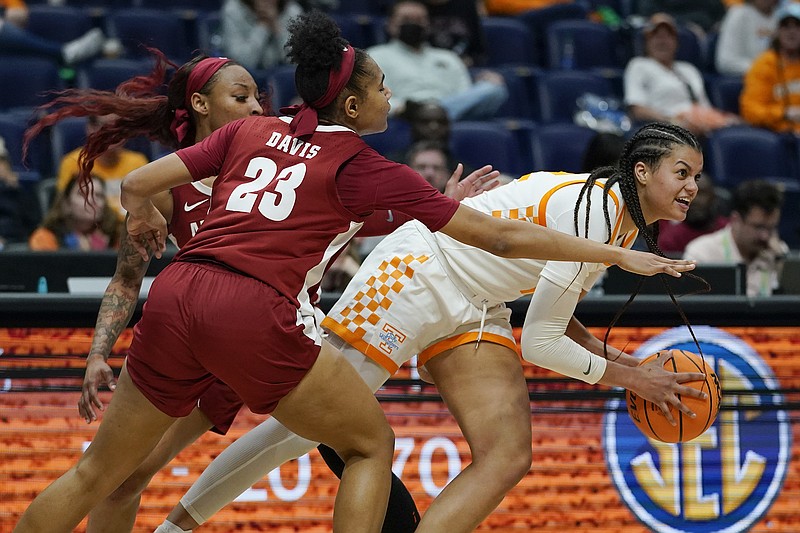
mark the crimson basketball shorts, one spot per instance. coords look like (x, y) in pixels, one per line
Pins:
(220, 404)
(203, 322)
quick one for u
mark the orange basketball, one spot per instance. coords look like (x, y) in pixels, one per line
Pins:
(652, 422)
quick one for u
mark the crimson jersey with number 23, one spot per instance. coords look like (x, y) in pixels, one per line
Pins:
(275, 213)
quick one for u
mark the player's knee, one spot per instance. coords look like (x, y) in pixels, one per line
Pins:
(130, 490)
(509, 460)
(377, 443)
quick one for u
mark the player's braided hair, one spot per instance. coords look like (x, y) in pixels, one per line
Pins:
(650, 145)
(315, 45)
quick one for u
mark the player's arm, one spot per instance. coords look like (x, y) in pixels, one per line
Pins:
(146, 226)
(513, 238)
(116, 309)
(578, 332)
(545, 344)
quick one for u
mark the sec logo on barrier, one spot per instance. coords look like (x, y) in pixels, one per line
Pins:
(726, 479)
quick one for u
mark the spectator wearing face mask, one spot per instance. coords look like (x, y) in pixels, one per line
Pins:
(416, 71)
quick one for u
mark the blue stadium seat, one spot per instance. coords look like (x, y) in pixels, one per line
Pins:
(209, 33)
(106, 74)
(508, 42)
(592, 45)
(477, 143)
(789, 228)
(519, 103)
(363, 7)
(394, 142)
(522, 130)
(559, 91)
(739, 153)
(358, 29)
(12, 130)
(560, 146)
(137, 28)
(198, 5)
(58, 23)
(32, 78)
(281, 83)
(724, 91)
(538, 20)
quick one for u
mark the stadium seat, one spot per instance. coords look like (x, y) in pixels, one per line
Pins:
(559, 91)
(32, 78)
(739, 153)
(560, 147)
(107, 74)
(519, 104)
(198, 5)
(209, 33)
(281, 83)
(484, 143)
(393, 142)
(508, 42)
(789, 228)
(363, 7)
(12, 130)
(724, 91)
(358, 29)
(591, 45)
(58, 23)
(538, 21)
(137, 28)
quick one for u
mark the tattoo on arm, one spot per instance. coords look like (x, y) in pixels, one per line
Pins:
(119, 300)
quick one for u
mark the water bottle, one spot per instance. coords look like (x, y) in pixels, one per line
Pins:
(41, 287)
(568, 54)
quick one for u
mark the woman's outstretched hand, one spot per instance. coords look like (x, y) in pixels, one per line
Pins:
(649, 264)
(482, 180)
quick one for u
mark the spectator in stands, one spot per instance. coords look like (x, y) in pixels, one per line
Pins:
(456, 25)
(702, 16)
(745, 33)
(14, 39)
(254, 31)
(659, 88)
(432, 160)
(751, 237)
(110, 167)
(429, 121)
(19, 210)
(73, 223)
(15, 12)
(417, 71)
(771, 94)
(702, 218)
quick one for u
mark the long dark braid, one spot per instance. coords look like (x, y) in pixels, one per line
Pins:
(650, 145)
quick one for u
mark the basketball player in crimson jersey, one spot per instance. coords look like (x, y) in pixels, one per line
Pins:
(235, 304)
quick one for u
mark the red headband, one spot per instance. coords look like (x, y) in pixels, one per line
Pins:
(198, 77)
(305, 115)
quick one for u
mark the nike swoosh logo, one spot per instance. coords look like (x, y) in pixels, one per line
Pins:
(189, 207)
(389, 216)
(588, 369)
